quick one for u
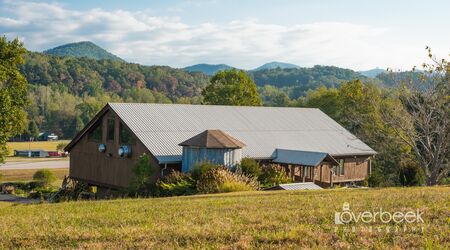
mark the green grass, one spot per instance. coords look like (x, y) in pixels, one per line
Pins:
(45, 145)
(277, 219)
(27, 174)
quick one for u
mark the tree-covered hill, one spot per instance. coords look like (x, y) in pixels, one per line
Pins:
(297, 81)
(66, 92)
(274, 65)
(208, 69)
(82, 49)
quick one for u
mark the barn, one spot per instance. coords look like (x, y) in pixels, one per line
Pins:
(310, 145)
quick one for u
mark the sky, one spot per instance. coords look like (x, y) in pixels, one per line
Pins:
(359, 35)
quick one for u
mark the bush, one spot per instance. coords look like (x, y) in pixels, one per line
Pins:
(273, 175)
(375, 179)
(201, 168)
(411, 175)
(44, 176)
(250, 167)
(220, 179)
(143, 176)
(176, 183)
(444, 181)
(61, 146)
(42, 193)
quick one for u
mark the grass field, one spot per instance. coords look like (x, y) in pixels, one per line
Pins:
(277, 219)
(27, 174)
(45, 145)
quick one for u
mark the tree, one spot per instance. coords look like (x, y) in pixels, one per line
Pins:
(231, 87)
(13, 92)
(33, 130)
(79, 124)
(44, 176)
(143, 175)
(424, 123)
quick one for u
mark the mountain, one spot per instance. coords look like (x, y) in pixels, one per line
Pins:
(297, 81)
(372, 72)
(274, 65)
(82, 49)
(208, 69)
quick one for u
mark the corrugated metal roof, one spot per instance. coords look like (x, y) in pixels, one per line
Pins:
(296, 186)
(161, 127)
(304, 158)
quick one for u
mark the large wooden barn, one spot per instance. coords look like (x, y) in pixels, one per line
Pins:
(310, 145)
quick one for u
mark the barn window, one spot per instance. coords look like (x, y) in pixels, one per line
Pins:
(341, 167)
(111, 124)
(96, 133)
(125, 135)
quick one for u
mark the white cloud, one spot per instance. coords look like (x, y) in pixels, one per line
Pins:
(146, 39)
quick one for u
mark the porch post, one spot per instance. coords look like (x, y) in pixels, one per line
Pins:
(303, 173)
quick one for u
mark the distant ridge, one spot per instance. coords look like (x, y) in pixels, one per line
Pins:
(82, 49)
(372, 72)
(208, 69)
(274, 65)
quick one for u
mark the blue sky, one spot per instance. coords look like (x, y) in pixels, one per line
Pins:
(353, 34)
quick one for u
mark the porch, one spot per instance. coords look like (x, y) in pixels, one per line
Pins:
(307, 166)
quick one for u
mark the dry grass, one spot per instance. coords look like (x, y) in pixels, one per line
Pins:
(27, 174)
(45, 145)
(278, 219)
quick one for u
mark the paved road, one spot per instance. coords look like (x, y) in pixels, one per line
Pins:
(35, 165)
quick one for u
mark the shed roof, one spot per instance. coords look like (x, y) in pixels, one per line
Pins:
(161, 127)
(296, 186)
(304, 158)
(213, 138)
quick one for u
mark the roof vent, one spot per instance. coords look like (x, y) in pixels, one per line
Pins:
(101, 148)
(124, 151)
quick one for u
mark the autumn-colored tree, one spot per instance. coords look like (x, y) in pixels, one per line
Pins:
(231, 87)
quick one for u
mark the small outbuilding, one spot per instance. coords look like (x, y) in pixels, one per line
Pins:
(37, 153)
(214, 146)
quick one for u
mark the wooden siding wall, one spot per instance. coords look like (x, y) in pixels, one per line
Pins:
(193, 155)
(355, 169)
(107, 169)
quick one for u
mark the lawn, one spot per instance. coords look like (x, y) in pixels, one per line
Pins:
(45, 145)
(275, 219)
(27, 174)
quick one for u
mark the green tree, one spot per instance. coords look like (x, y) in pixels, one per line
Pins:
(325, 99)
(231, 87)
(79, 124)
(13, 92)
(44, 176)
(33, 130)
(143, 176)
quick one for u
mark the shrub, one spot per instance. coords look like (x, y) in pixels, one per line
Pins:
(143, 176)
(411, 174)
(42, 192)
(365, 182)
(375, 179)
(250, 167)
(44, 176)
(273, 175)
(61, 146)
(444, 181)
(201, 168)
(220, 179)
(176, 183)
